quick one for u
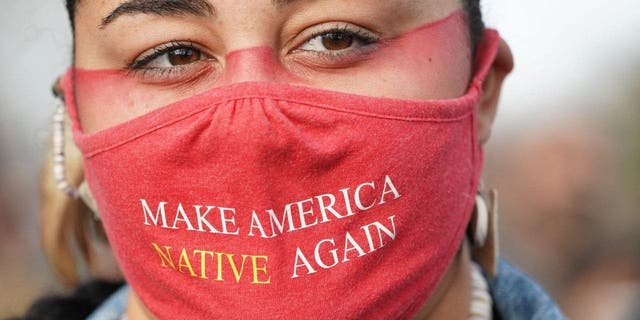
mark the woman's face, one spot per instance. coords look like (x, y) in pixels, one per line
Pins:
(171, 50)
(139, 55)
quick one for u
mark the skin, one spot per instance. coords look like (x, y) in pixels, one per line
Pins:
(241, 24)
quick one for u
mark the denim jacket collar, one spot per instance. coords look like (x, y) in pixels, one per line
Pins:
(515, 296)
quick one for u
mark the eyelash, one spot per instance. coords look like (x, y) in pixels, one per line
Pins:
(366, 38)
(139, 67)
(159, 51)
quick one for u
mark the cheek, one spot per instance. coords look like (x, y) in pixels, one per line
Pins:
(105, 98)
(432, 62)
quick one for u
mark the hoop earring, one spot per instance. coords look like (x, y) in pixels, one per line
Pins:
(483, 231)
(481, 223)
(82, 192)
(58, 139)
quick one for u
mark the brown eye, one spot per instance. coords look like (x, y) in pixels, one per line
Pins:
(337, 40)
(173, 54)
(341, 39)
(183, 56)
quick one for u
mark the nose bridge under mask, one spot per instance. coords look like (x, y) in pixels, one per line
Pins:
(254, 64)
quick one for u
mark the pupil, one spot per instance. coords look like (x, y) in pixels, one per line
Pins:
(183, 56)
(337, 41)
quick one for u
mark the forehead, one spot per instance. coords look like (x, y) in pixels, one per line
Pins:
(104, 8)
(235, 17)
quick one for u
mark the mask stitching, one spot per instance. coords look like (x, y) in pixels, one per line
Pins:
(84, 139)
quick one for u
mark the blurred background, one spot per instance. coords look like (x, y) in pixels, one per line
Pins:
(564, 155)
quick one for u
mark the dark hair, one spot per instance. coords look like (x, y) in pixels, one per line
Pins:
(78, 305)
(474, 16)
(71, 9)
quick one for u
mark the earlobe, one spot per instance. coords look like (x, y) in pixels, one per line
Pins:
(488, 106)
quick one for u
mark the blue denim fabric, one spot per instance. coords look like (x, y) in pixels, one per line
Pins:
(114, 307)
(515, 297)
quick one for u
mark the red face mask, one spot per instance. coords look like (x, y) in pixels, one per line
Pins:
(269, 200)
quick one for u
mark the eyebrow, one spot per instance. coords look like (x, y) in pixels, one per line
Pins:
(201, 8)
(163, 8)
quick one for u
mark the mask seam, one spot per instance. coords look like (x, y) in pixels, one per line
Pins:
(84, 137)
(460, 232)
